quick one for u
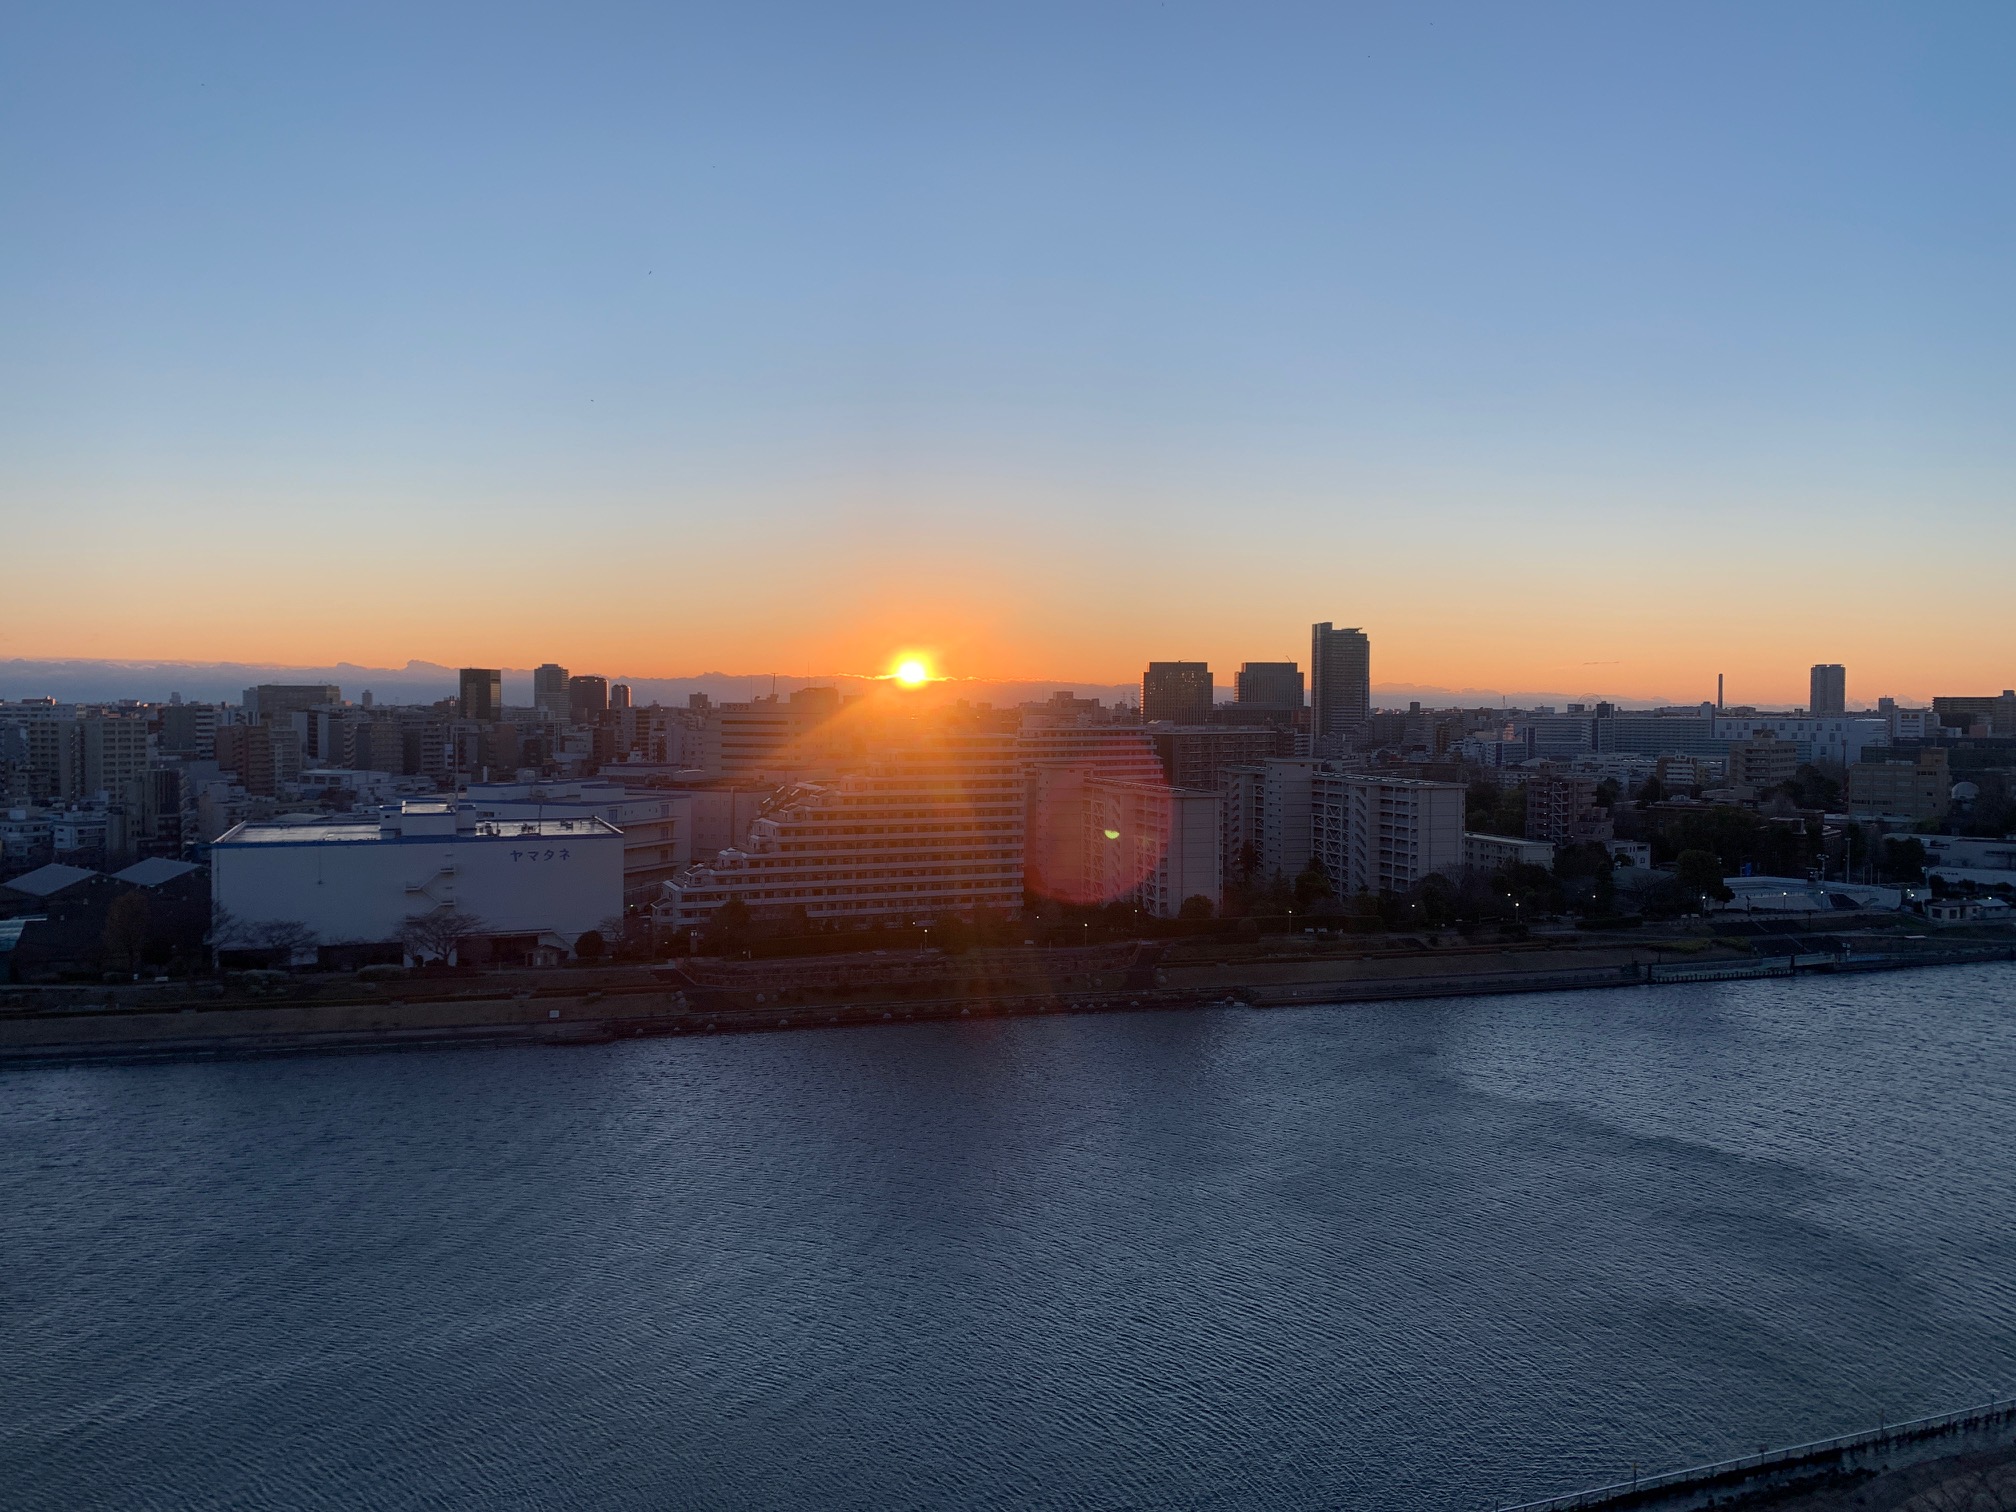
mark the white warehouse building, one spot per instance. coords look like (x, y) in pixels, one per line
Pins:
(536, 884)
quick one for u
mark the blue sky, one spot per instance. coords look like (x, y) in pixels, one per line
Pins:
(1049, 337)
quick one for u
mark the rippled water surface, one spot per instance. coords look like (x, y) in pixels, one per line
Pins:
(1423, 1255)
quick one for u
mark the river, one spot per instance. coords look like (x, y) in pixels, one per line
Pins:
(1426, 1255)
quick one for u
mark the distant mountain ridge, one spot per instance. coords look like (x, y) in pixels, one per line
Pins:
(95, 681)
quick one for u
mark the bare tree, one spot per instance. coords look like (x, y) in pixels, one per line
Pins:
(286, 938)
(626, 935)
(226, 928)
(437, 935)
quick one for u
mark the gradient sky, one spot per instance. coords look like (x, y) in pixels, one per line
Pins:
(1597, 348)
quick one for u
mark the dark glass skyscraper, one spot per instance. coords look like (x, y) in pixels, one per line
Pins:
(1178, 691)
(482, 693)
(1278, 685)
(587, 698)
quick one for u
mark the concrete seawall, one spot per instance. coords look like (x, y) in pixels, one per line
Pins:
(1805, 1475)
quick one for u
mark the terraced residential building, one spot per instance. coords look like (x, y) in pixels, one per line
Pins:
(926, 829)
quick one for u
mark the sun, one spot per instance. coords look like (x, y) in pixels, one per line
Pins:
(912, 673)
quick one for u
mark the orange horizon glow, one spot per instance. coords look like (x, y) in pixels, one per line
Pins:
(1638, 665)
(1650, 636)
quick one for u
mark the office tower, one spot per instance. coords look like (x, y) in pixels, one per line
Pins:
(619, 695)
(1830, 690)
(482, 693)
(1340, 681)
(1916, 791)
(1274, 685)
(549, 690)
(278, 700)
(587, 698)
(1178, 691)
(189, 729)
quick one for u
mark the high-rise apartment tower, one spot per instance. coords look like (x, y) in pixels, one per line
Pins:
(1829, 691)
(1340, 681)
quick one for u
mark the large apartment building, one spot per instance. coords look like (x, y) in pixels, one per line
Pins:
(1268, 820)
(64, 752)
(926, 829)
(1058, 762)
(1561, 808)
(1378, 834)
(780, 738)
(1152, 845)
(1763, 763)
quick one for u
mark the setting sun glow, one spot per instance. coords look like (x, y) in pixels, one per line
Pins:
(912, 673)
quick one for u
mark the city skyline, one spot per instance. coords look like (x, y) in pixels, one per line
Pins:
(1041, 341)
(92, 680)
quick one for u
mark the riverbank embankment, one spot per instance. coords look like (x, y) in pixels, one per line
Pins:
(270, 1012)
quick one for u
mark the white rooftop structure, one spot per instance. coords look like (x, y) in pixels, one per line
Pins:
(349, 881)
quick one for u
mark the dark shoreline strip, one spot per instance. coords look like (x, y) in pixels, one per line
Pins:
(588, 1027)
